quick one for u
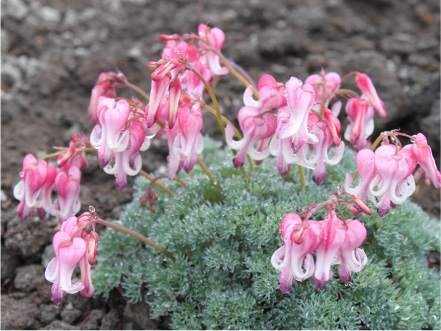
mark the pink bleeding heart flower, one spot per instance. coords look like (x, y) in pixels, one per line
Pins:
(104, 87)
(393, 182)
(185, 140)
(110, 136)
(288, 150)
(73, 155)
(369, 93)
(300, 100)
(255, 127)
(129, 161)
(324, 87)
(423, 154)
(361, 122)
(333, 236)
(366, 170)
(67, 185)
(327, 132)
(353, 258)
(271, 93)
(300, 240)
(45, 197)
(156, 93)
(212, 37)
(31, 191)
(68, 253)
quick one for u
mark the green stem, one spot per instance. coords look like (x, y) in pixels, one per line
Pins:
(209, 174)
(212, 96)
(236, 131)
(346, 91)
(150, 178)
(137, 90)
(235, 73)
(136, 235)
(216, 107)
(302, 177)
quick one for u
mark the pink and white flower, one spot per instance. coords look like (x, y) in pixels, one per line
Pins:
(361, 122)
(300, 240)
(393, 181)
(423, 154)
(369, 93)
(185, 140)
(104, 87)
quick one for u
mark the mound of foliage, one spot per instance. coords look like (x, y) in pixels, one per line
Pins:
(223, 278)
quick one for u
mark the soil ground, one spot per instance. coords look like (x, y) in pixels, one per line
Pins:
(54, 50)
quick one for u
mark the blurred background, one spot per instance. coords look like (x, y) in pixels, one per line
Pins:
(54, 50)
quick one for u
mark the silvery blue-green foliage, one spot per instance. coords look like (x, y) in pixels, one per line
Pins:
(223, 278)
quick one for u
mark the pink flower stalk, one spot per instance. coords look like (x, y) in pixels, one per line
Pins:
(32, 190)
(109, 135)
(129, 161)
(67, 185)
(324, 87)
(361, 122)
(353, 258)
(104, 87)
(185, 140)
(255, 127)
(71, 247)
(300, 240)
(366, 170)
(333, 236)
(423, 154)
(369, 93)
(212, 38)
(393, 182)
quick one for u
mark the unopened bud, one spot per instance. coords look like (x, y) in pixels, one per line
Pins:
(91, 252)
(361, 204)
(351, 208)
(165, 37)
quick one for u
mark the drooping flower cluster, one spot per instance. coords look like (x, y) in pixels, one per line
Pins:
(73, 245)
(386, 174)
(119, 136)
(39, 180)
(332, 241)
(361, 112)
(284, 122)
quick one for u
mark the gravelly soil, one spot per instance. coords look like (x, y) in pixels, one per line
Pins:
(53, 51)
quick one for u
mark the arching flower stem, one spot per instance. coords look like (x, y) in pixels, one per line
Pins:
(137, 236)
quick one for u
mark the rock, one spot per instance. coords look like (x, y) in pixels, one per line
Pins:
(5, 41)
(11, 75)
(48, 255)
(138, 313)
(310, 18)
(70, 314)
(93, 322)
(110, 320)
(15, 9)
(27, 238)
(401, 43)
(50, 78)
(48, 313)
(430, 126)
(43, 287)
(18, 314)
(60, 325)
(26, 276)
(9, 263)
(49, 15)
